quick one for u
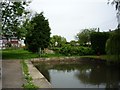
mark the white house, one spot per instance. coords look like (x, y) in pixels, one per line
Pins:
(13, 41)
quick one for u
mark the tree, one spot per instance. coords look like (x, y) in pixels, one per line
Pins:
(83, 37)
(57, 41)
(38, 35)
(13, 14)
(73, 43)
(117, 6)
(113, 45)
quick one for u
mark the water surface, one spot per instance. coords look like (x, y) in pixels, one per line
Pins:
(80, 75)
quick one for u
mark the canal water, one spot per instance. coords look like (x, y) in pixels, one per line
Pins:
(80, 75)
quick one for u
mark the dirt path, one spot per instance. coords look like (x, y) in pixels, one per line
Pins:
(12, 76)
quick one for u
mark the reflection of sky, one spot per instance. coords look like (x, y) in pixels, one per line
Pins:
(88, 71)
(65, 79)
(81, 75)
(67, 17)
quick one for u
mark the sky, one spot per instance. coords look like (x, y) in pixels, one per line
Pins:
(68, 17)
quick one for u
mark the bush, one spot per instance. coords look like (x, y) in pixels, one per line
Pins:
(69, 50)
(56, 49)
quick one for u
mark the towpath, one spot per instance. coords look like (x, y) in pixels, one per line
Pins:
(12, 76)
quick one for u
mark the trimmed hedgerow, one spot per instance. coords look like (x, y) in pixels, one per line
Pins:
(98, 41)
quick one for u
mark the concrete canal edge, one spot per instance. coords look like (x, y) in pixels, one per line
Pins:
(38, 79)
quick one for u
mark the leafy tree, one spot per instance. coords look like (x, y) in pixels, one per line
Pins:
(13, 14)
(113, 45)
(57, 41)
(117, 6)
(38, 35)
(73, 43)
(83, 37)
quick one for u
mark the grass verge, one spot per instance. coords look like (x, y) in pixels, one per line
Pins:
(29, 84)
(24, 54)
(18, 54)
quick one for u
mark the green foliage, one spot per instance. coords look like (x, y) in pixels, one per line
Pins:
(69, 50)
(57, 41)
(25, 67)
(39, 35)
(98, 41)
(84, 36)
(29, 84)
(73, 43)
(56, 49)
(113, 45)
(13, 14)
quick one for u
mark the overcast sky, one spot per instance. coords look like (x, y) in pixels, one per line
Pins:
(68, 17)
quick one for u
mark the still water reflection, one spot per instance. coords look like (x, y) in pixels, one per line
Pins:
(76, 75)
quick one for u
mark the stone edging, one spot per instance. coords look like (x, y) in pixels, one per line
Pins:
(55, 59)
(38, 79)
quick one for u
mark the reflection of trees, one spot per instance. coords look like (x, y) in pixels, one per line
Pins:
(88, 73)
(70, 67)
(100, 75)
(65, 67)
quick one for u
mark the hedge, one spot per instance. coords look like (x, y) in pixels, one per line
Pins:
(69, 50)
(98, 41)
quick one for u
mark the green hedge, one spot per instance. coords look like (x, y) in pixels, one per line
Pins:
(98, 41)
(69, 50)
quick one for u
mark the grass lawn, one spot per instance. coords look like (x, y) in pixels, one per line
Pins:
(18, 54)
(24, 54)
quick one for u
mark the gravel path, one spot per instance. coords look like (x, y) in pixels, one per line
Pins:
(12, 76)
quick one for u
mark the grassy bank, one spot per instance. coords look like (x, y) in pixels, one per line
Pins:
(18, 54)
(29, 84)
(24, 54)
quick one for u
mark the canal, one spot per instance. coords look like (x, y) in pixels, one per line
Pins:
(80, 75)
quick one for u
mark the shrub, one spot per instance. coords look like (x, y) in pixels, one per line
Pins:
(69, 50)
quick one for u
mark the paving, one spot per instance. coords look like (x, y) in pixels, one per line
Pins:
(38, 79)
(12, 76)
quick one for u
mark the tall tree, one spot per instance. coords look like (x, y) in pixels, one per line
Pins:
(57, 41)
(113, 43)
(13, 14)
(38, 35)
(83, 37)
